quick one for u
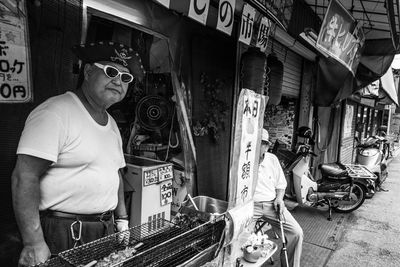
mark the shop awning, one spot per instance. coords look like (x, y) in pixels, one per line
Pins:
(388, 89)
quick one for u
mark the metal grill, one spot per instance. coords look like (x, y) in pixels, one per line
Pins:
(164, 244)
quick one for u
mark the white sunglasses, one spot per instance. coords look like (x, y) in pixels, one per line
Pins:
(112, 72)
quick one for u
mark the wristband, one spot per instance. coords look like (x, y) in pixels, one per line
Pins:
(122, 217)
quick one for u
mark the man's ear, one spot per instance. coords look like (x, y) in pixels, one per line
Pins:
(87, 71)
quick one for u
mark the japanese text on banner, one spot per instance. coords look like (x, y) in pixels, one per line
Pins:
(249, 138)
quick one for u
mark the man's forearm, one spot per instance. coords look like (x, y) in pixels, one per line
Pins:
(280, 193)
(120, 210)
(26, 195)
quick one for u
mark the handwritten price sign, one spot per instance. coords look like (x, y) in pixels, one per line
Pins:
(166, 192)
(14, 54)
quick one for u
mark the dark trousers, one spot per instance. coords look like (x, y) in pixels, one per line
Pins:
(58, 236)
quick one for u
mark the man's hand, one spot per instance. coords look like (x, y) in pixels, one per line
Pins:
(122, 225)
(34, 254)
(279, 205)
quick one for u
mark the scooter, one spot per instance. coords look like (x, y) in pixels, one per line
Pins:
(337, 187)
(374, 154)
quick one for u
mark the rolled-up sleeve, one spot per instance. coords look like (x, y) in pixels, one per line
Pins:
(281, 180)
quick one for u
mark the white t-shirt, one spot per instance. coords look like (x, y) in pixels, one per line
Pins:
(270, 178)
(86, 156)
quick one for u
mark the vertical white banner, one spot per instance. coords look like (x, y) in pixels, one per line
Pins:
(263, 34)
(246, 147)
(198, 10)
(246, 24)
(226, 15)
(15, 76)
(164, 2)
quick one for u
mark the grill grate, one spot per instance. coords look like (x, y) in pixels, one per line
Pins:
(164, 244)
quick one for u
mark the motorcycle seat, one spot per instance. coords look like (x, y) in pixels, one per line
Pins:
(333, 170)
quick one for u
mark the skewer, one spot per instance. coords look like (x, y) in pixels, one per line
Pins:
(194, 204)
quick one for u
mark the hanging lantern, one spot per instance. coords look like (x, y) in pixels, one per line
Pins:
(274, 79)
(253, 70)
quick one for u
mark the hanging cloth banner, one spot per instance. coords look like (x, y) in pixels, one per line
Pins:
(244, 166)
(15, 76)
(165, 3)
(226, 15)
(246, 24)
(340, 37)
(198, 10)
(263, 34)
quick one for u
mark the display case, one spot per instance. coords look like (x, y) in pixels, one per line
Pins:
(148, 189)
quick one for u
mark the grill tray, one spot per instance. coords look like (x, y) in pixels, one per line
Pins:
(164, 244)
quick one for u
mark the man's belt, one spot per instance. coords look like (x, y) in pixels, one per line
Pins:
(98, 217)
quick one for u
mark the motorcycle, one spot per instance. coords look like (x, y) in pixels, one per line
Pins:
(338, 187)
(374, 153)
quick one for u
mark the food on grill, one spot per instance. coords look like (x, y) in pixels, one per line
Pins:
(184, 220)
(119, 256)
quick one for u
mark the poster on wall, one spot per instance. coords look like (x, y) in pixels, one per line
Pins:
(340, 37)
(15, 76)
(249, 123)
(348, 121)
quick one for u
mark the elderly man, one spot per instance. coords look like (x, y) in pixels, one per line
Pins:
(69, 156)
(268, 200)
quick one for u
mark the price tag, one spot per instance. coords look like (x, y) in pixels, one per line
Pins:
(166, 192)
(150, 177)
(165, 173)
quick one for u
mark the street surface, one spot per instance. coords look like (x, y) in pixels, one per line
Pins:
(371, 234)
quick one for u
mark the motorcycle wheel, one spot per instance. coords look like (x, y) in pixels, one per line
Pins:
(360, 192)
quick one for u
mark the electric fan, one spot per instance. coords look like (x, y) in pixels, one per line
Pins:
(153, 112)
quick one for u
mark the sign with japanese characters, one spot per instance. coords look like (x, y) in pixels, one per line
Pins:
(165, 173)
(263, 34)
(226, 15)
(198, 10)
(150, 177)
(166, 192)
(249, 123)
(340, 37)
(247, 24)
(15, 77)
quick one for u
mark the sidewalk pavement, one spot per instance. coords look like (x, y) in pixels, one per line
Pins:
(322, 237)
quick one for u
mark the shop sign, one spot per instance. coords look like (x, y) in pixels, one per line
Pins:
(15, 76)
(164, 2)
(340, 37)
(226, 15)
(249, 122)
(247, 24)
(166, 193)
(198, 10)
(263, 34)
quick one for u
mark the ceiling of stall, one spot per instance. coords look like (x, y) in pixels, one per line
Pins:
(372, 13)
